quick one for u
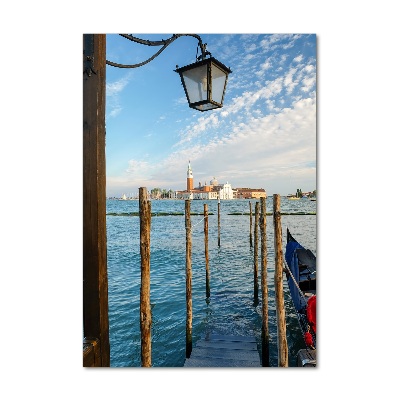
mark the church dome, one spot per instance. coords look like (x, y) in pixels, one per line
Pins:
(214, 182)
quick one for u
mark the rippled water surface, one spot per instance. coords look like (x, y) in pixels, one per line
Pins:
(230, 309)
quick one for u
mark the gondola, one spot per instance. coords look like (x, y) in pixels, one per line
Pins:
(302, 281)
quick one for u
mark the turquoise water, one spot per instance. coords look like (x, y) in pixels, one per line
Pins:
(230, 309)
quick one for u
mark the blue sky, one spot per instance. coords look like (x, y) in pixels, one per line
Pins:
(264, 136)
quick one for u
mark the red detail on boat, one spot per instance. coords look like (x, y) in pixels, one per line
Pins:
(312, 312)
(308, 339)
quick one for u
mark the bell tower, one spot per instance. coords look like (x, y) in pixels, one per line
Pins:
(189, 179)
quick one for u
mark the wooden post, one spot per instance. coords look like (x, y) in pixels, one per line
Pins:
(264, 287)
(206, 250)
(219, 222)
(278, 279)
(256, 219)
(145, 310)
(189, 315)
(251, 226)
(95, 280)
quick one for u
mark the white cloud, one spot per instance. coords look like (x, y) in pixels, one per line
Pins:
(115, 88)
(136, 166)
(249, 57)
(112, 92)
(309, 68)
(250, 48)
(308, 84)
(283, 58)
(270, 43)
(115, 110)
(289, 81)
(193, 131)
(264, 67)
(298, 59)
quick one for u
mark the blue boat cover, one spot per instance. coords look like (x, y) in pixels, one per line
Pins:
(292, 262)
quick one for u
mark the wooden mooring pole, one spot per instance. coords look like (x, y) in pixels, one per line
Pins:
(278, 279)
(206, 250)
(264, 287)
(219, 222)
(251, 226)
(145, 310)
(256, 219)
(189, 311)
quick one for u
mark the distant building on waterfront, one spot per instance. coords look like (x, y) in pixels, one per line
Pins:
(215, 191)
(248, 193)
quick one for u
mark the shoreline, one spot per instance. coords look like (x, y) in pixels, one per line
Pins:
(166, 214)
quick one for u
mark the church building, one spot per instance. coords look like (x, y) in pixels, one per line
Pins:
(213, 191)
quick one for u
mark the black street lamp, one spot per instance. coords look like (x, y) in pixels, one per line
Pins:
(204, 81)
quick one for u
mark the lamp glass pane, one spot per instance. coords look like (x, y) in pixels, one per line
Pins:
(218, 78)
(196, 83)
(206, 107)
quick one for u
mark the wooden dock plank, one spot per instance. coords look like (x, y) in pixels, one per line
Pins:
(250, 355)
(226, 345)
(224, 351)
(230, 338)
(222, 363)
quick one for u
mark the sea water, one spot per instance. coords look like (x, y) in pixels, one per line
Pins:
(231, 308)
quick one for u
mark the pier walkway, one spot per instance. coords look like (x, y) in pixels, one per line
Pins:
(224, 351)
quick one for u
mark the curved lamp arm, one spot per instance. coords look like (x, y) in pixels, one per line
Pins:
(163, 43)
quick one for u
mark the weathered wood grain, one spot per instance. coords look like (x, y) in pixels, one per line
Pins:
(95, 281)
(189, 310)
(283, 360)
(224, 351)
(145, 309)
